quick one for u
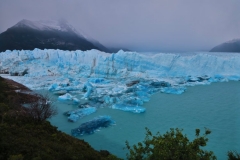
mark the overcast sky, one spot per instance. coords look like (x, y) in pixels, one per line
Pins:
(142, 25)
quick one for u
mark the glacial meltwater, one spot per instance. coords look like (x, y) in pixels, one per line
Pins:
(215, 106)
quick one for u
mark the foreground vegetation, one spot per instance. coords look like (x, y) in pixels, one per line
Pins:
(174, 145)
(25, 134)
(171, 145)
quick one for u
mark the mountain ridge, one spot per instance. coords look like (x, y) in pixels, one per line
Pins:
(28, 35)
(229, 46)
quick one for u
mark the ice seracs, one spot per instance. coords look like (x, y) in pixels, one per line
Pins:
(123, 81)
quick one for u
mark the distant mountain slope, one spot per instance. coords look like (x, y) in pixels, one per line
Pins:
(230, 46)
(28, 35)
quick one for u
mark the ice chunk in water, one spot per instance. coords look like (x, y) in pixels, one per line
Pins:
(143, 96)
(76, 101)
(68, 97)
(129, 108)
(88, 88)
(79, 113)
(53, 87)
(91, 126)
(133, 101)
(65, 97)
(60, 92)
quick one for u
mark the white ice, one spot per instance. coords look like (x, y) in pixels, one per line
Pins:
(111, 79)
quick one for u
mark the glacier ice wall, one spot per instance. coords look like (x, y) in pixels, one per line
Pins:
(122, 64)
(123, 81)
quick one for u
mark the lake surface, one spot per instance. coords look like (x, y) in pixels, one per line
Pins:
(215, 106)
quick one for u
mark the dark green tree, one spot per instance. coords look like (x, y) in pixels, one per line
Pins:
(172, 145)
(233, 155)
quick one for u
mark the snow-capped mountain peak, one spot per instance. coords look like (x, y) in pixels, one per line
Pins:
(42, 25)
(49, 34)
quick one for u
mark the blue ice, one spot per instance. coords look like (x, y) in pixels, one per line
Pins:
(129, 108)
(133, 101)
(88, 88)
(145, 97)
(110, 100)
(96, 80)
(234, 78)
(91, 126)
(65, 97)
(53, 87)
(74, 115)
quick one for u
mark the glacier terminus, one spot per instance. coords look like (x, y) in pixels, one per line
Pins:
(122, 80)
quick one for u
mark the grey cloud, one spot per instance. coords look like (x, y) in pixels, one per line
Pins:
(143, 25)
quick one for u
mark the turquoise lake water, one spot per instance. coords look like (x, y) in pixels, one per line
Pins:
(215, 106)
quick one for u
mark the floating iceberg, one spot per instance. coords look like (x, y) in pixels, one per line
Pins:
(74, 115)
(75, 100)
(68, 97)
(110, 100)
(91, 126)
(65, 97)
(53, 87)
(144, 96)
(60, 92)
(88, 88)
(129, 108)
(134, 101)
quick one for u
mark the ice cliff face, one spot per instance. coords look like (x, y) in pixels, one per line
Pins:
(122, 64)
(123, 81)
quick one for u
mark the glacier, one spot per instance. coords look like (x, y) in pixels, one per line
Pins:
(122, 80)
